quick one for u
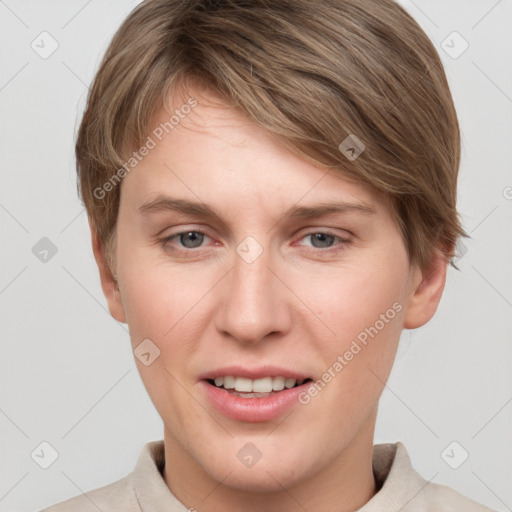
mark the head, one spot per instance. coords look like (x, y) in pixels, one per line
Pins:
(261, 112)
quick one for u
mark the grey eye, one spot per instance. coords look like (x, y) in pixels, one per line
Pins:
(191, 239)
(323, 239)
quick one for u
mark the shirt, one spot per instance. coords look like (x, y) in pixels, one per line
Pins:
(401, 488)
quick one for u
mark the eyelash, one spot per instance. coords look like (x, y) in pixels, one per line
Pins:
(344, 242)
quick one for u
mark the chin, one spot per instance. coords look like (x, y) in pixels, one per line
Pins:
(259, 481)
(266, 476)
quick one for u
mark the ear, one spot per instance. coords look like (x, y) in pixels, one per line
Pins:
(108, 283)
(425, 291)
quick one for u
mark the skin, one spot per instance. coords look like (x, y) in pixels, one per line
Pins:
(296, 306)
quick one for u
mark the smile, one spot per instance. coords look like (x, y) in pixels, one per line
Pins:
(244, 400)
(255, 388)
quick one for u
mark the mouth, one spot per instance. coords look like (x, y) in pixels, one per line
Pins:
(255, 396)
(263, 387)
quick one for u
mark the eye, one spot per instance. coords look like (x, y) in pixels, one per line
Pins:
(324, 242)
(191, 239)
(185, 241)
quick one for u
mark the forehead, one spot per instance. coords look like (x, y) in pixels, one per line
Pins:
(203, 149)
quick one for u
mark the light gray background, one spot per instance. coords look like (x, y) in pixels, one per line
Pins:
(67, 373)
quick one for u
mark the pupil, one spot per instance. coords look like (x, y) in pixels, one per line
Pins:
(193, 236)
(320, 236)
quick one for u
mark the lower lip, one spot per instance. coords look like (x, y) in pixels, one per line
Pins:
(253, 409)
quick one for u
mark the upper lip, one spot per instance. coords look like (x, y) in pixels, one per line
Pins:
(253, 373)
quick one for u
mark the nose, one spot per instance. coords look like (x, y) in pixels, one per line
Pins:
(254, 301)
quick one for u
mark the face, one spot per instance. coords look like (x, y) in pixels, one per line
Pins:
(230, 264)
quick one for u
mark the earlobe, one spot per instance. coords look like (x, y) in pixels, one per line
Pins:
(109, 282)
(425, 292)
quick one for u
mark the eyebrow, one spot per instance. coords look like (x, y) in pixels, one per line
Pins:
(166, 203)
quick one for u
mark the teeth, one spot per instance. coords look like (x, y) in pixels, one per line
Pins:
(263, 385)
(229, 382)
(278, 383)
(289, 383)
(243, 384)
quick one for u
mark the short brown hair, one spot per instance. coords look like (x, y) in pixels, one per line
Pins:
(311, 72)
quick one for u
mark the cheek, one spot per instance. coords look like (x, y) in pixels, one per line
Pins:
(363, 310)
(161, 305)
(350, 300)
(159, 298)
(162, 299)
